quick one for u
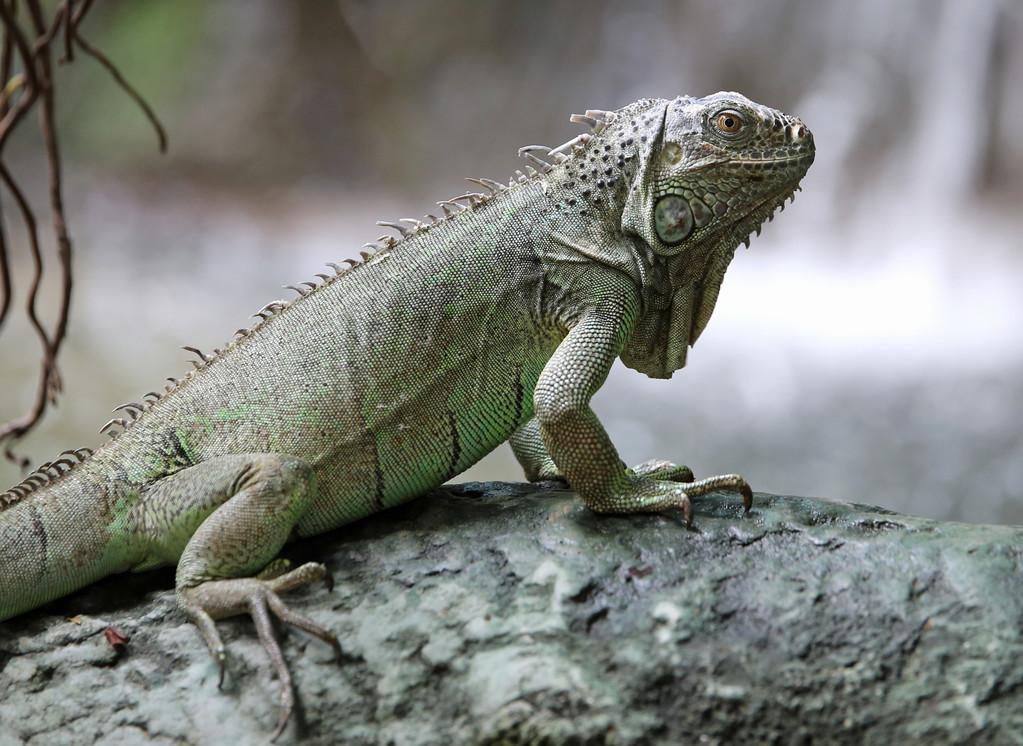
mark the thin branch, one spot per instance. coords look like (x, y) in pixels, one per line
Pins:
(47, 376)
(46, 125)
(20, 109)
(28, 98)
(44, 41)
(31, 228)
(86, 47)
(80, 14)
(6, 58)
(17, 427)
(21, 91)
(71, 20)
(5, 272)
(69, 27)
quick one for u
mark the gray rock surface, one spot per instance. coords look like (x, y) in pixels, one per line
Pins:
(508, 613)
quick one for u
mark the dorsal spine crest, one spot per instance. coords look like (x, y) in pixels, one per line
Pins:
(536, 168)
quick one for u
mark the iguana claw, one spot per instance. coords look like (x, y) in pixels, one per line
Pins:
(221, 660)
(687, 512)
(258, 597)
(723, 482)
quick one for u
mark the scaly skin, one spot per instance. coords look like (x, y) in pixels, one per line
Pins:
(498, 322)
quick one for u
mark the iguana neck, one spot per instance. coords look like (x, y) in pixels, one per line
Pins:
(594, 184)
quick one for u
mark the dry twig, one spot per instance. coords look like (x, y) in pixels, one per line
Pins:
(28, 46)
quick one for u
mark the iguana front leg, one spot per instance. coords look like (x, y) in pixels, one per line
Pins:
(578, 443)
(529, 449)
(228, 518)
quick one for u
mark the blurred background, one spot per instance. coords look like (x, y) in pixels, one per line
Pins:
(869, 347)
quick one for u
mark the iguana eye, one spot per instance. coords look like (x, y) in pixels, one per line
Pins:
(729, 122)
(673, 219)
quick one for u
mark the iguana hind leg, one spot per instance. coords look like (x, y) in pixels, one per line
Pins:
(228, 518)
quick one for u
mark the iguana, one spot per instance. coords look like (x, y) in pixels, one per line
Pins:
(495, 322)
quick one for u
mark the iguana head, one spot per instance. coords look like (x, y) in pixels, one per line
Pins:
(706, 173)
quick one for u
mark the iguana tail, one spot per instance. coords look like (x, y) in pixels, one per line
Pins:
(53, 541)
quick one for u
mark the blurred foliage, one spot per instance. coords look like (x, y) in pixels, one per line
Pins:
(155, 45)
(867, 348)
(376, 90)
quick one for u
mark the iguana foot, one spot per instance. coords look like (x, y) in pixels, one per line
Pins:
(654, 469)
(663, 470)
(217, 599)
(643, 494)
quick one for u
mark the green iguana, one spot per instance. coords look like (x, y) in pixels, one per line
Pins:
(495, 322)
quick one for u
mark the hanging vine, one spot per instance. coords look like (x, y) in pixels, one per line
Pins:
(30, 41)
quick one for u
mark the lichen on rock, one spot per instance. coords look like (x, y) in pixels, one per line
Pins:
(508, 613)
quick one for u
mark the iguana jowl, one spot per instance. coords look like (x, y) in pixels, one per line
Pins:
(496, 322)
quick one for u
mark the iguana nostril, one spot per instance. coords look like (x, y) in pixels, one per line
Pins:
(798, 132)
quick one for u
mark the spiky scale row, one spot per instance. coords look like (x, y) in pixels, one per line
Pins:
(134, 409)
(495, 186)
(44, 474)
(595, 119)
(780, 208)
(197, 351)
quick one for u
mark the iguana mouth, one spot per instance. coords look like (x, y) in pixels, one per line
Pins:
(787, 159)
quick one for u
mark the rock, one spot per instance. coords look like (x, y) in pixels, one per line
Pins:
(508, 613)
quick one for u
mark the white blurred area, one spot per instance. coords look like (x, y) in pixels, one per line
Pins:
(869, 346)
